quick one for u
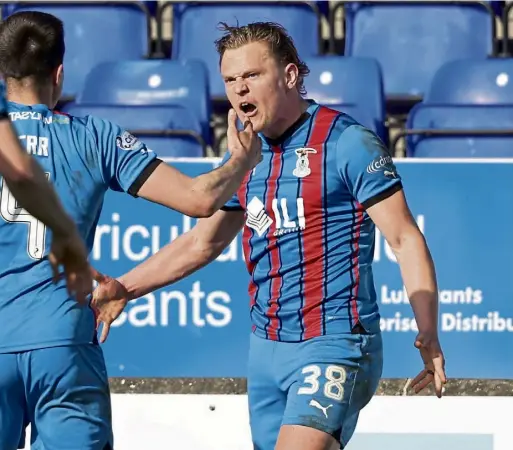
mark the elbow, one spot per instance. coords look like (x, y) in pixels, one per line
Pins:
(411, 240)
(204, 206)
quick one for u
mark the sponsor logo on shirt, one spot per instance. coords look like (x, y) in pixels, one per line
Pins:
(383, 164)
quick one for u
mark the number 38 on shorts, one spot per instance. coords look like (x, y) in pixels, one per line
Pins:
(331, 379)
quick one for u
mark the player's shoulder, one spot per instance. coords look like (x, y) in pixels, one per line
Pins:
(342, 124)
(350, 134)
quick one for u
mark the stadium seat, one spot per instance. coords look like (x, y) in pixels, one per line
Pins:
(473, 81)
(350, 85)
(460, 131)
(151, 82)
(169, 131)
(412, 40)
(96, 32)
(195, 29)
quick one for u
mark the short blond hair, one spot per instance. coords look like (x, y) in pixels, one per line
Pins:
(279, 41)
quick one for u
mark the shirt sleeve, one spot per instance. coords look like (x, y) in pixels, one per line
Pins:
(125, 161)
(233, 204)
(366, 166)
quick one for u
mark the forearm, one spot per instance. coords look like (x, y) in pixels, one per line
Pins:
(27, 182)
(172, 263)
(219, 185)
(418, 273)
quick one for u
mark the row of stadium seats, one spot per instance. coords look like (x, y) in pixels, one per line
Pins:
(409, 40)
(467, 109)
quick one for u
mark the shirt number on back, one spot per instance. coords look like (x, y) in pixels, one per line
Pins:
(12, 213)
(336, 376)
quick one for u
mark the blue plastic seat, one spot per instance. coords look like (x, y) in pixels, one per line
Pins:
(473, 81)
(350, 85)
(195, 28)
(412, 40)
(96, 32)
(167, 130)
(151, 82)
(475, 131)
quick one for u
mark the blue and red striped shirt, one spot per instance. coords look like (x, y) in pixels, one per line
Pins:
(308, 241)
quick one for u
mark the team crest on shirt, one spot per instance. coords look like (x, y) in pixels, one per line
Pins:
(127, 141)
(303, 164)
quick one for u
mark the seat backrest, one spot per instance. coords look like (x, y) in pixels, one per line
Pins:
(471, 118)
(147, 121)
(346, 81)
(96, 32)
(151, 82)
(473, 81)
(196, 29)
(412, 40)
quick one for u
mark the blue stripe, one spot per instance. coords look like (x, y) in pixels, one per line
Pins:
(300, 239)
(249, 240)
(267, 240)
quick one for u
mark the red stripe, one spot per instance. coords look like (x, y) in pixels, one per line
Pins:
(246, 236)
(313, 248)
(356, 265)
(272, 247)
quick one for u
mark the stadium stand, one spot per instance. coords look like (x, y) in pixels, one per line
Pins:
(423, 37)
(441, 54)
(467, 112)
(195, 25)
(351, 85)
(152, 82)
(169, 131)
(96, 32)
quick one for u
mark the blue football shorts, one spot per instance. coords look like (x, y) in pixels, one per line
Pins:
(63, 392)
(321, 383)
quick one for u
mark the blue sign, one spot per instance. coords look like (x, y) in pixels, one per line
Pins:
(200, 326)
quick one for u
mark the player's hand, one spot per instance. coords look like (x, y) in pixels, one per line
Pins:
(434, 365)
(69, 251)
(109, 299)
(245, 144)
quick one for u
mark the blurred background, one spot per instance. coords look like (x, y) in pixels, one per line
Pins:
(432, 79)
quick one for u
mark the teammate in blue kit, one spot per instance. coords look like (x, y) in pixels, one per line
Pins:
(52, 371)
(308, 212)
(24, 176)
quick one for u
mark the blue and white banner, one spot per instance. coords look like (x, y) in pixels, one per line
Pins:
(200, 327)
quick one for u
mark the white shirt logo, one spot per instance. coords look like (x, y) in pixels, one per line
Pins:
(302, 164)
(257, 219)
(317, 405)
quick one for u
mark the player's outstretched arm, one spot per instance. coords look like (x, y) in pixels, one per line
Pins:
(29, 185)
(185, 255)
(204, 195)
(370, 174)
(395, 221)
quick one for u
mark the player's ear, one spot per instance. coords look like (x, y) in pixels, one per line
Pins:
(291, 75)
(59, 75)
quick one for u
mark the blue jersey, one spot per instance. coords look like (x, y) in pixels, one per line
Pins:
(83, 157)
(308, 241)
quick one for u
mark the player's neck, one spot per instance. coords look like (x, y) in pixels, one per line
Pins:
(295, 108)
(29, 95)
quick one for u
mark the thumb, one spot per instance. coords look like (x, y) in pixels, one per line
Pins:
(105, 332)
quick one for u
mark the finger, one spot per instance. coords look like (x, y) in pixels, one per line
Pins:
(438, 364)
(105, 332)
(418, 378)
(423, 384)
(438, 385)
(54, 263)
(232, 133)
(97, 276)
